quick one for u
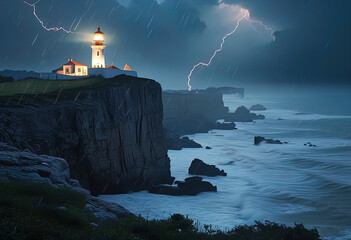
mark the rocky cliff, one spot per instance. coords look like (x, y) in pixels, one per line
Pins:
(109, 130)
(188, 113)
(20, 166)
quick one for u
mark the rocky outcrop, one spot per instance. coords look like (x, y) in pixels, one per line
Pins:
(189, 113)
(309, 144)
(225, 126)
(242, 114)
(109, 130)
(175, 142)
(198, 167)
(191, 186)
(259, 139)
(17, 165)
(258, 107)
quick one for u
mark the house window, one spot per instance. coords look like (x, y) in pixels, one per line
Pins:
(98, 53)
(79, 70)
(67, 70)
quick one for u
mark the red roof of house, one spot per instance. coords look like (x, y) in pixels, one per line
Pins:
(71, 62)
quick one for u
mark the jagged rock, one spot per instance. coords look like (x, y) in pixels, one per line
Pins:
(191, 186)
(207, 147)
(198, 167)
(110, 133)
(309, 144)
(18, 165)
(258, 107)
(225, 126)
(242, 114)
(259, 139)
(175, 142)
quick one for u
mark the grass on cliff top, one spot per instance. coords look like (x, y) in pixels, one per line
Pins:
(31, 90)
(29, 211)
(39, 86)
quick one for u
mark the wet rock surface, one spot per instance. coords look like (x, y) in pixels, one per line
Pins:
(190, 186)
(259, 139)
(242, 114)
(198, 167)
(175, 142)
(225, 126)
(309, 144)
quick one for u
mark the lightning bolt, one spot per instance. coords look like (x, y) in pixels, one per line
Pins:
(55, 29)
(246, 16)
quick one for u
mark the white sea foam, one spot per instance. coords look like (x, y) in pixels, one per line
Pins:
(285, 183)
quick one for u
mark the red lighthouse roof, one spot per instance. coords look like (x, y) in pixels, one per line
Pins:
(99, 31)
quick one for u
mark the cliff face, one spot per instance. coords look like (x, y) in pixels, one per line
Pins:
(110, 133)
(188, 113)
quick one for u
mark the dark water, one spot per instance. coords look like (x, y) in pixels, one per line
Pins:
(285, 183)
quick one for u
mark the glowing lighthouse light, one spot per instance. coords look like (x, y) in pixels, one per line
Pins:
(98, 46)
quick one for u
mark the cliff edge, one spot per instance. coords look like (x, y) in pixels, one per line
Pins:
(109, 130)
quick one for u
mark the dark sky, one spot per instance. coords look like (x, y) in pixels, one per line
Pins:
(163, 40)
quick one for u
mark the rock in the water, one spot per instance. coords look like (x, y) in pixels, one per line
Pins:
(175, 142)
(259, 139)
(225, 126)
(309, 144)
(190, 186)
(207, 147)
(242, 114)
(198, 167)
(257, 107)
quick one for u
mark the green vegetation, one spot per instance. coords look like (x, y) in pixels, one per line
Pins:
(37, 211)
(27, 90)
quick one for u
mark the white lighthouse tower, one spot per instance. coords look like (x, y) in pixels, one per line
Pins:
(98, 46)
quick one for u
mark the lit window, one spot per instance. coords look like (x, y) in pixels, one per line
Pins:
(98, 53)
(79, 70)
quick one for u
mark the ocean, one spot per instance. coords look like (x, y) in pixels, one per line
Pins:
(289, 183)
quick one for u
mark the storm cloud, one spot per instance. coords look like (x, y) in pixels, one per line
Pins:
(164, 39)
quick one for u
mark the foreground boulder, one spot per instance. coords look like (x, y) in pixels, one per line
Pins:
(242, 114)
(17, 165)
(259, 139)
(190, 186)
(258, 107)
(198, 167)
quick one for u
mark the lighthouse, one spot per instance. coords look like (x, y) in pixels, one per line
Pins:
(98, 46)
(75, 70)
